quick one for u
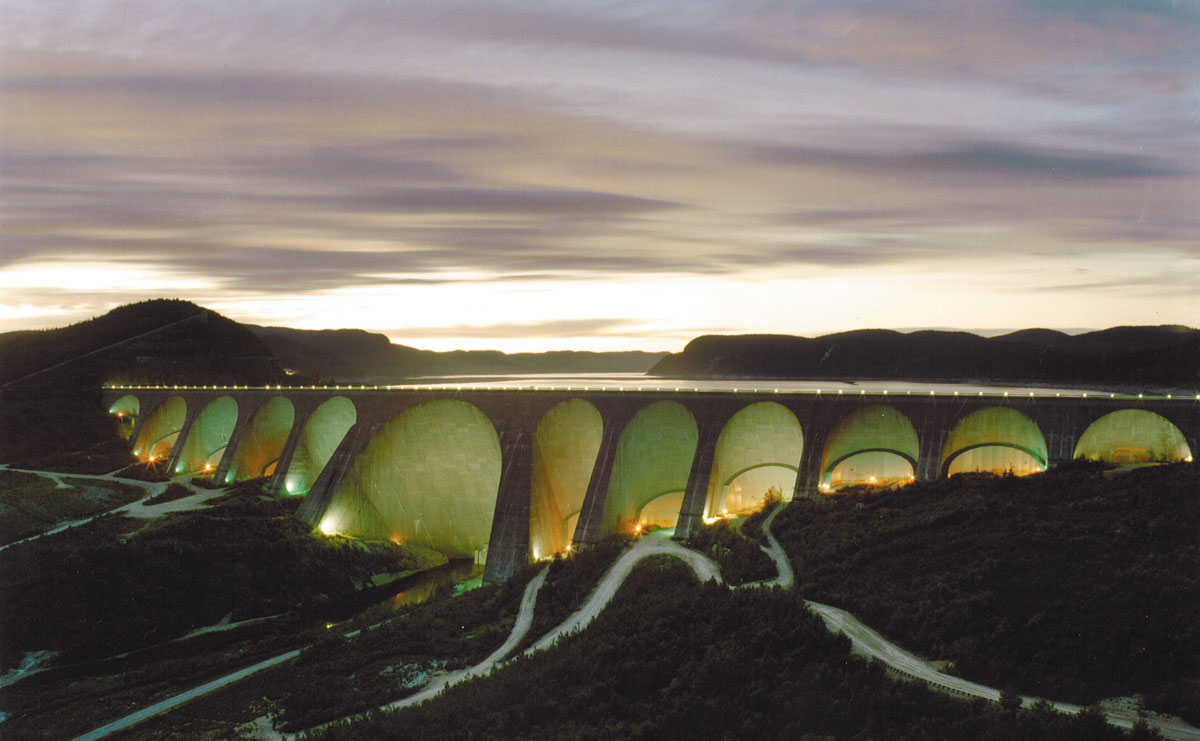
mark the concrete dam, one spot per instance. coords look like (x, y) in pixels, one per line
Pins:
(506, 475)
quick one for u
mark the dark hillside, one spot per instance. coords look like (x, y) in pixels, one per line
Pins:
(672, 659)
(1077, 584)
(98, 589)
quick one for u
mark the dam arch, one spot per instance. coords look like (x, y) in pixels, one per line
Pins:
(994, 440)
(261, 444)
(161, 430)
(565, 445)
(208, 436)
(320, 437)
(759, 448)
(653, 460)
(126, 410)
(1133, 436)
(875, 445)
(430, 476)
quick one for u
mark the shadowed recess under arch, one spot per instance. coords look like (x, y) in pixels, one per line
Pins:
(1133, 436)
(994, 440)
(158, 435)
(322, 433)
(429, 477)
(565, 445)
(654, 458)
(759, 448)
(263, 441)
(875, 445)
(126, 410)
(208, 436)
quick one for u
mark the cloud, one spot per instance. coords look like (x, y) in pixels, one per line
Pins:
(519, 330)
(406, 147)
(981, 159)
(501, 201)
(1098, 11)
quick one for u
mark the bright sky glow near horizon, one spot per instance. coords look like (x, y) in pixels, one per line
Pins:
(603, 176)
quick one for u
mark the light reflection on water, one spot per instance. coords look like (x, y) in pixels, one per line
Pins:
(460, 575)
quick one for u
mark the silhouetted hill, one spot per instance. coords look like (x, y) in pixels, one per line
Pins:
(158, 341)
(50, 380)
(1043, 337)
(1167, 356)
(357, 355)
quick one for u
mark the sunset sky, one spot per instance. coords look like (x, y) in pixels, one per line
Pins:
(605, 176)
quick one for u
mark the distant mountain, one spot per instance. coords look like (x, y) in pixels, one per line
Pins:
(356, 355)
(178, 342)
(50, 379)
(1143, 357)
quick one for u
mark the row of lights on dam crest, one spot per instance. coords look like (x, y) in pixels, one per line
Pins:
(677, 389)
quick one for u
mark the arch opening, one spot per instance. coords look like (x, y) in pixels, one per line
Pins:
(158, 435)
(746, 491)
(323, 432)
(997, 459)
(125, 410)
(883, 469)
(872, 446)
(654, 457)
(994, 440)
(759, 449)
(565, 445)
(263, 440)
(660, 512)
(1133, 437)
(208, 436)
(430, 476)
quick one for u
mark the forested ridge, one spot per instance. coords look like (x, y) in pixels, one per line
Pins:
(1125, 357)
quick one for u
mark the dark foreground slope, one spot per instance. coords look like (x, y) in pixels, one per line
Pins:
(1123, 356)
(672, 659)
(1075, 584)
(119, 583)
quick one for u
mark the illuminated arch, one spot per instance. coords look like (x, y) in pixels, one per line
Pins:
(1133, 436)
(565, 445)
(263, 441)
(162, 427)
(430, 476)
(322, 433)
(208, 436)
(126, 411)
(654, 458)
(996, 440)
(875, 445)
(759, 448)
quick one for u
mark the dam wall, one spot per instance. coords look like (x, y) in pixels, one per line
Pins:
(509, 475)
